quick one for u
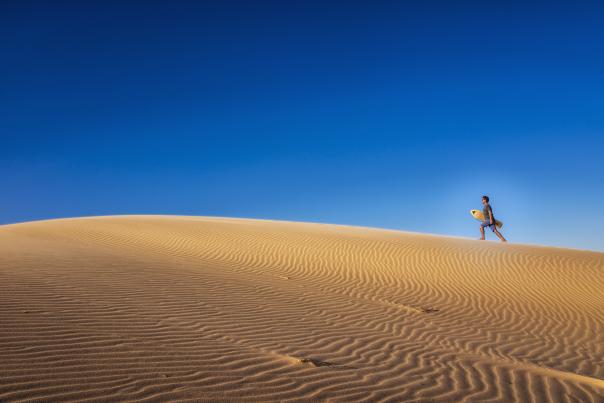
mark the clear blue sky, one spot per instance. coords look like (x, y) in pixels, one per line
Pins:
(379, 113)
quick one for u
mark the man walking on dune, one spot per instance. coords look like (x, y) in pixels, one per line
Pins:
(489, 220)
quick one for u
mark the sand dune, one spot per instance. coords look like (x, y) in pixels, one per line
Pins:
(156, 308)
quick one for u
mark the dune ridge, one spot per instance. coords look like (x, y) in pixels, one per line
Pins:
(153, 308)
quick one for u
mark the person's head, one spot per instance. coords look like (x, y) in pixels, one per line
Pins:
(485, 199)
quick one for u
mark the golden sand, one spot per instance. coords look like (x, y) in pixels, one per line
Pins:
(160, 308)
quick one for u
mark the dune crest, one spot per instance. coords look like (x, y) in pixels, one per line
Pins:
(173, 308)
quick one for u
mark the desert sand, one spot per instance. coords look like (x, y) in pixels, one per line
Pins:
(157, 308)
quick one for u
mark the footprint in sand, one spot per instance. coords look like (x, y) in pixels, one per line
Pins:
(316, 362)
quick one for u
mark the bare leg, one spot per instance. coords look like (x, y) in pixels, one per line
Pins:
(481, 233)
(499, 235)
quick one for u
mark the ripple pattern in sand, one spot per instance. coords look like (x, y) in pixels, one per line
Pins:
(158, 308)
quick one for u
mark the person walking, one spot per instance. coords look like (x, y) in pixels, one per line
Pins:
(489, 220)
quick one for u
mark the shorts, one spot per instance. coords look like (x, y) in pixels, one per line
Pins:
(488, 224)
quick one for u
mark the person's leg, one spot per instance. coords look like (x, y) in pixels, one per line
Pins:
(482, 233)
(498, 234)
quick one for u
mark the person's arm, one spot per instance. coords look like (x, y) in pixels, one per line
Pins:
(491, 215)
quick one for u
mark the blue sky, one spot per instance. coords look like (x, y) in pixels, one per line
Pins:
(376, 113)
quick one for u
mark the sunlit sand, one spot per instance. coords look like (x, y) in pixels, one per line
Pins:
(175, 308)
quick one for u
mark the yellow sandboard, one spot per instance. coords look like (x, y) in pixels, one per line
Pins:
(480, 217)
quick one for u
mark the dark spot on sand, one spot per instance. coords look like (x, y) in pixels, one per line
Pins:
(317, 363)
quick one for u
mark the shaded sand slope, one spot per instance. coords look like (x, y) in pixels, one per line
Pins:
(157, 308)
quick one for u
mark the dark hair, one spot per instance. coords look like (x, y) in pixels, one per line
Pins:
(486, 198)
